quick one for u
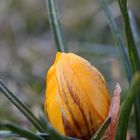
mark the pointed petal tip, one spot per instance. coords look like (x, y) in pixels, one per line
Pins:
(57, 57)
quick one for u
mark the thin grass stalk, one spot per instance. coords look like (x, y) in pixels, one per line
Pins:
(127, 106)
(136, 40)
(132, 50)
(54, 134)
(10, 134)
(117, 39)
(55, 25)
(134, 27)
(133, 56)
(20, 131)
(7, 134)
(100, 132)
(21, 107)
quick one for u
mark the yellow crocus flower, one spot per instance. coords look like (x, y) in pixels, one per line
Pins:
(77, 99)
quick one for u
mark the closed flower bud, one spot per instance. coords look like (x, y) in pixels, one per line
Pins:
(77, 99)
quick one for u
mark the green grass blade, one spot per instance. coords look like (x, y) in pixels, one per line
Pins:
(134, 27)
(98, 135)
(127, 106)
(55, 25)
(20, 131)
(54, 135)
(46, 136)
(133, 56)
(117, 38)
(7, 134)
(21, 107)
(132, 50)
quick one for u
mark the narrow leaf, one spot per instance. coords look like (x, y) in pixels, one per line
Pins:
(44, 135)
(100, 132)
(127, 106)
(7, 134)
(117, 38)
(132, 50)
(133, 56)
(55, 25)
(54, 135)
(21, 106)
(20, 131)
(134, 27)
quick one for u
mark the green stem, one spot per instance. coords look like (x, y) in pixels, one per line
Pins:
(55, 25)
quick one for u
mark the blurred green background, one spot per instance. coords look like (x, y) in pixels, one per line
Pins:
(27, 49)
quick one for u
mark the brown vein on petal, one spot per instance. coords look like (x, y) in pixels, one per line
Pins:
(97, 113)
(69, 130)
(63, 96)
(91, 122)
(69, 109)
(77, 101)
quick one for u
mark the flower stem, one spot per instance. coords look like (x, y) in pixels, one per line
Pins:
(55, 25)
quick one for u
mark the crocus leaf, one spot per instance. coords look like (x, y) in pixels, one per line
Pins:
(44, 135)
(127, 106)
(7, 134)
(133, 62)
(10, 134)
(21, 106)
(55, 25)
(132, 50)
(100, 132)
(134, 27)
(53, 133)
(20, 131)
(117, 38)
(133, 56)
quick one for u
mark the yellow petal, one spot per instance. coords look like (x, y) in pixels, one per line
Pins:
(53, 102)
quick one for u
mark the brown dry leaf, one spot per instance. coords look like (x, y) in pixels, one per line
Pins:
(114, 114)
